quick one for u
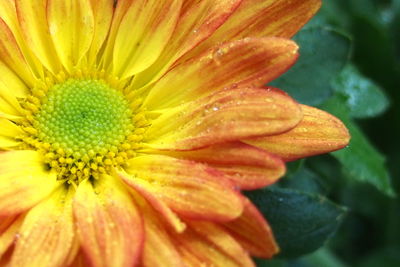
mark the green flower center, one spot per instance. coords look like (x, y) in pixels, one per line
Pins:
(84, 118)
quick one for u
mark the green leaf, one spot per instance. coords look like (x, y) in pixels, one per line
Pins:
(301, 222)
(323, 54)
(304, 180)
(364, 98)
(360, 160)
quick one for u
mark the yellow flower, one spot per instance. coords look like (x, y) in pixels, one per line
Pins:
(129, 129)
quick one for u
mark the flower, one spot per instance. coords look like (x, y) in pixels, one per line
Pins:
(129, 129)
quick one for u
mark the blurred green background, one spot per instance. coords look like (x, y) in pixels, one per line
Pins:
(342, 209)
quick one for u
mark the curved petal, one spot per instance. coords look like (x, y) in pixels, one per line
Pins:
(260, 18)
(197, 21)
(227, 115)
(33, 21)
(246, 166)
(218, 237)
(71, 26)
(252, 231)
(108, 223)
(317, 133)
(24, 181)
(8, 133)
(9, 233)
(158, 248)
(142, 35)
(10, 53)
(206, 250)
(47, 233)
(103, 11)
(247, 62)
(8, 13)
(191, 189)
(10, 85)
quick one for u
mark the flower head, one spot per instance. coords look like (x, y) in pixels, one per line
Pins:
(129, 129)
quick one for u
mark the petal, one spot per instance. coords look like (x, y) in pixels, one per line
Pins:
(10, 84)
(158, 249)
(24, 181)
(11, 55)
(227, 115)
(246, 166)
(192, 190)
(196, 250)
(9, 233)
(9, 128)
(259, 18)
(170, 217)
(34, 26)
(103, 12)
(317, 133)
(47, 233)
(108, 223)
(9, 131)
(9, 14)
(253, 232)
(220, 239)
(197, 21)
(71, 25)
(252, 61)
(144, 31)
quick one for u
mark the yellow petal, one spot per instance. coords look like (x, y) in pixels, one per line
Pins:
(10, 83)
(142, 35)
(318, 132)
(47, 233)
(108, 223)
(34, 26)
(9, 131)
(103, 12)
(71, 25)
(24, 181)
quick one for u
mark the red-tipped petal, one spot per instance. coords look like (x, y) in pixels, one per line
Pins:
(260, 18)
(247, 62)
(253, 232)
(227, 115)
(197, 21)
(108, 223)
(158, 248)
(318, 132)
(246, 166)
(189, 188)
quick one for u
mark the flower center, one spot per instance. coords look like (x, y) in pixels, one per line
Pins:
(84, 117)
(84, 127)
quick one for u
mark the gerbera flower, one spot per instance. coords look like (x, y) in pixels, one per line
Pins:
(128, 131)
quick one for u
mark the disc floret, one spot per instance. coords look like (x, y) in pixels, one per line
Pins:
(84, 128)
